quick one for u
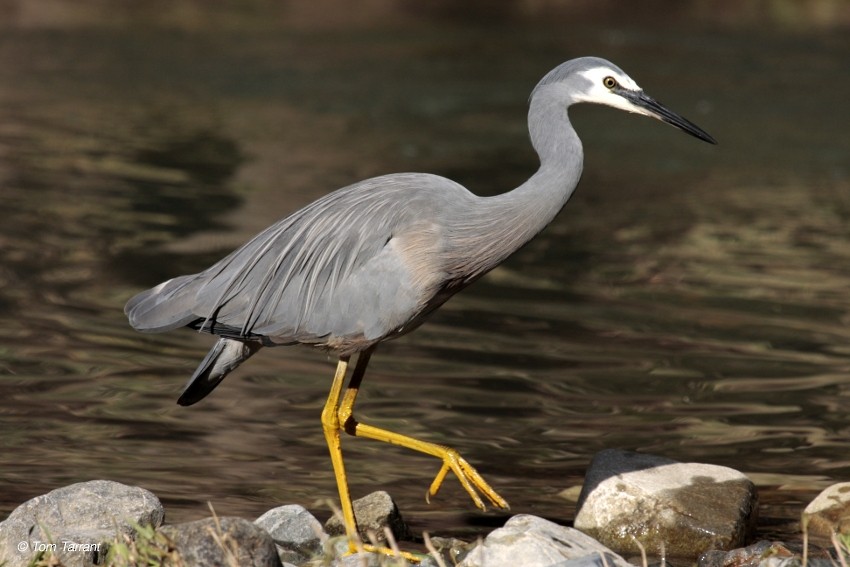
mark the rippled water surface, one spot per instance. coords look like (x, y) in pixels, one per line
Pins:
(691, 301)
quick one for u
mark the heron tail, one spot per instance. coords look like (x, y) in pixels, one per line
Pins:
(222, 358)
(164, 307)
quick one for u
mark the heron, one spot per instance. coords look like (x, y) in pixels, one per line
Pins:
(372, 261)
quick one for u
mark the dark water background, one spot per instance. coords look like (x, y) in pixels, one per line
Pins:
(691, 301)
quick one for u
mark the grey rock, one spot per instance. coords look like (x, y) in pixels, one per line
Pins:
(209, 542)
(595, 560)
(358, 560)
(749, 556)
(712, 558)
(534, 542)
(796, 562)
(452, 550)
(682, 509)
(298, 535)
(77, 521)
(338, 548)
(611, 462)
(768, 554)
(373, 512)
(829, 512)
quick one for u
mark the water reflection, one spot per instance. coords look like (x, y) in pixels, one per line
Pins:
(689, 302)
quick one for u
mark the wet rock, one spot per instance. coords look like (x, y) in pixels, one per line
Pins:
(298, 535)
(765, 554)
(76, 522)
(534, 542)
(749, 556)
(358, 560)
(829, 512)
(373, 512)
(681, 509)
(796, 562)
(223, 541)
(450, 549)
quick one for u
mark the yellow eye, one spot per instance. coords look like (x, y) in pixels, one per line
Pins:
(609, 82)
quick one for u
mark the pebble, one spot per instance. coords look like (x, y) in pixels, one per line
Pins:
(765, 554)
(374, 512)
(672, 509)
(297, 534)
(749, 556)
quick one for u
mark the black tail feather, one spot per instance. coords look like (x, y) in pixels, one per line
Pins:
(222, 358)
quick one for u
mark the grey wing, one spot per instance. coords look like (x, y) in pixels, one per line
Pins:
(360, 263)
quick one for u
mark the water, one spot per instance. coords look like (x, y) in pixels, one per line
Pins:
(691, 301)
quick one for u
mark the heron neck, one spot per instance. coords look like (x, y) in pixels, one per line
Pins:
(500, 225)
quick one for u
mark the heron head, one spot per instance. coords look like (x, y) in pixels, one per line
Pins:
(607, 84)
(597, 81)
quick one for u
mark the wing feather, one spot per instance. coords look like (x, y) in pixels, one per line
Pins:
(328, 270)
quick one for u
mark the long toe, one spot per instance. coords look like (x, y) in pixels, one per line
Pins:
(469, 479)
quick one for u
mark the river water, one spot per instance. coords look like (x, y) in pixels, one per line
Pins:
(691, 301)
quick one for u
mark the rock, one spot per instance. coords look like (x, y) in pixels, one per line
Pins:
(337, 548)
(796, 562)
(373, 512)
(451, 550)
(749, 556)
(829, 512)
(358, 560)
(765, 554)
(299, 536)
(534, 542)
(682, 509)
(227, 541)
(76, 522)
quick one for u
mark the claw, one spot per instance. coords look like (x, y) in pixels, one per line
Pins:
(469, 478)
(406, 555)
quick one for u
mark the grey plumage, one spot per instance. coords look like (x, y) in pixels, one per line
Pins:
(223, 357)
(370, 261)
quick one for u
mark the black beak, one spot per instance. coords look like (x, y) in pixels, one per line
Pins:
(661, 112)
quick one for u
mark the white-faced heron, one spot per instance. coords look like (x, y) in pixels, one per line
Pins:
(369, 262)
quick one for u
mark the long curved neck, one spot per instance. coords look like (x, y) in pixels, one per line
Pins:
(498, 226)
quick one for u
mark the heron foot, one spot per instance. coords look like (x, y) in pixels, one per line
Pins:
(469, 478)
(355, 548)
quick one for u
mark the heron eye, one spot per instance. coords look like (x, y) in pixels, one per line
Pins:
(609, 82)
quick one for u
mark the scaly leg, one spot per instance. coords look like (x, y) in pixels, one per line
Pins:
(331, 427)
(469, 478)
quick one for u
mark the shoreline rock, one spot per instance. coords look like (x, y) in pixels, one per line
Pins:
(829, 512)
(223, 541)
(633, 502)
(76, 522)
(297, 534)
(93, 514)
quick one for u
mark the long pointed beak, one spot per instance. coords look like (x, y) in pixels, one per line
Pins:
(655, 109)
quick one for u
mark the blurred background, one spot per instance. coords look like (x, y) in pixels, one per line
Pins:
(691, 300)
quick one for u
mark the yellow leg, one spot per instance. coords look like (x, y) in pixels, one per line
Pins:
(332, 426)
(469, 478)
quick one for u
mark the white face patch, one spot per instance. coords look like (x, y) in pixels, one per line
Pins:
(598, 74)
(598, 93)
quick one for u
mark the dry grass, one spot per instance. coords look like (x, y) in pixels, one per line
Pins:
(148, 548)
